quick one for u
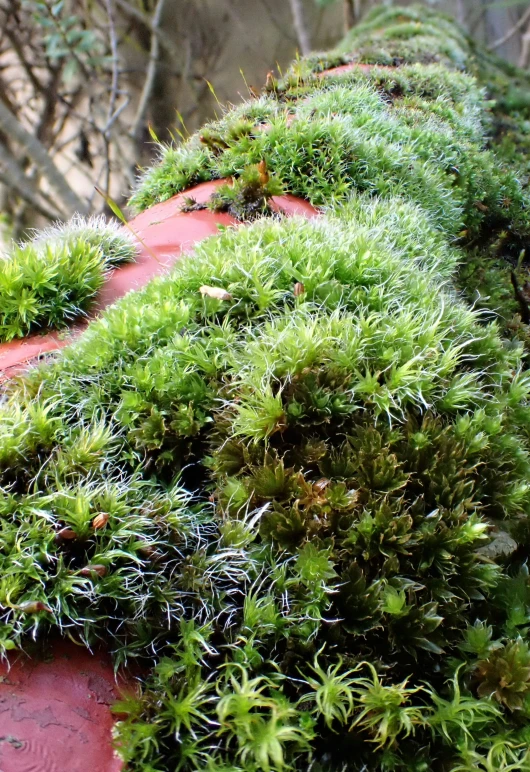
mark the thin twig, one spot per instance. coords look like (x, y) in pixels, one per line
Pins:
(282, 29)
(111, 110)
(65, 40)
(525, 49)
(40, 157)
(300, 27)
(38, 87)
(154, 56)
(114, 56)
(14, 177)
(348, 15)
(166, 41)
(511, 32)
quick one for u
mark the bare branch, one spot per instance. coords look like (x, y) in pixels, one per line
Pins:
(154, 56)
(524, 58)
(14, 177)
(39, 155)
(114, 53)
(73, 53)
(134, 13)
(282, 29)
(348, 11)
(511, 32)
(302, 33)
(28, 69)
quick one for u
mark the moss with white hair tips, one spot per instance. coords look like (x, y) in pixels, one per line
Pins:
(291, 476)
(52, 279)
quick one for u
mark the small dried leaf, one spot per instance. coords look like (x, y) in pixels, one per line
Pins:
(149, 552)
(299, 289)
(66, 533)
(481, 207)
(101, 520)
(93, 569)
(215, 292)
(33, 607)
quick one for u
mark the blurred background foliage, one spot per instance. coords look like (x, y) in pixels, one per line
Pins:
(85, 85)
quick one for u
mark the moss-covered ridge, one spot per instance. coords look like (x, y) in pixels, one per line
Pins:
(292, 476)
(52, 279)
(416, 123)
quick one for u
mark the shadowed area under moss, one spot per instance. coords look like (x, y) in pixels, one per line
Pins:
(300, 498)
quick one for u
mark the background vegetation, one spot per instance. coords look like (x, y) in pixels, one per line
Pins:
(80, 82)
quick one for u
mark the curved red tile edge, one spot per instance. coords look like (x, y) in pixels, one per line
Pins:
(165, 232)
(55, 712)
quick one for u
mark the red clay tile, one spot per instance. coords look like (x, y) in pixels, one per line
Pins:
(354, 66)
(54, 713)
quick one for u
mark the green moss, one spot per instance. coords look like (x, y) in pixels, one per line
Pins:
(291, 476)
(112, 240)
(415, 129)
(343, 433)
(51, 280)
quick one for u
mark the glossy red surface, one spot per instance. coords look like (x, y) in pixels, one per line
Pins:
(54, 713)
(165, 232)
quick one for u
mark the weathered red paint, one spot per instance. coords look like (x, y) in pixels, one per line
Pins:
(54, 712)
(165, 232)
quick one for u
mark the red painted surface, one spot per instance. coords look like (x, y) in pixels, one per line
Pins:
(21, 350)
(165, 232)
(54, 713)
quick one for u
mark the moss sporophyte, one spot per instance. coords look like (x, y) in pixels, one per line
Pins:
(291, 477)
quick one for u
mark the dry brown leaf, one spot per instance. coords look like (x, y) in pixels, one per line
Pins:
(215, 292)
(299, 289)
(66, 533)
(33, 607)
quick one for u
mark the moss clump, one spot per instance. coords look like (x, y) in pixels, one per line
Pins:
(49, 281)
(351, 432)
(418, 130)
(291, 477)
(396, 36)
